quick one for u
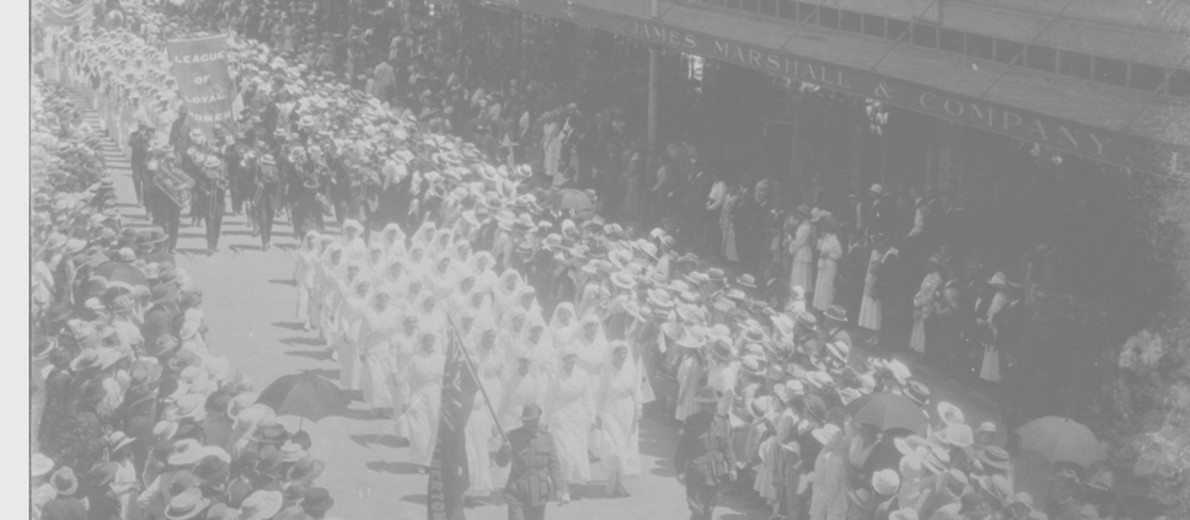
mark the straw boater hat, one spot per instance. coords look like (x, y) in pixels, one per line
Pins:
(958, 435)
(918, 392)
(950, 414)
(64, 482)
(261, 505)
(826, 433)
(995, 457)
(836, 313)
(185, 452)
(187, 505)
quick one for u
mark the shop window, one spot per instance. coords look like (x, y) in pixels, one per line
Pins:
(925, 35)
(1075, 64)
(897, 30)
(1008, 51)
(788, 10)
(828, 17)
(1108, 70)
(982, 47)
(950, 41)
(1179, 83)
(768, 7)
(1145, 77)
(851, 21)
(1042, 58)
(874, 25)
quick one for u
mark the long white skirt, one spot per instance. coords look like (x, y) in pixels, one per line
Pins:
(799, 276)
(478, 434)
(621, 442)
(569, 428)
(421, 421)
(374, 376)
(870, 314)
(824, 287)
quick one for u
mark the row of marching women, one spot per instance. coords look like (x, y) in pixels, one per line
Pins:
(134, 416)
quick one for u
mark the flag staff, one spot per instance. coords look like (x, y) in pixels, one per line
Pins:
(478, 383)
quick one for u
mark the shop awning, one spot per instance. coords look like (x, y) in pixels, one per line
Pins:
(1098, 122)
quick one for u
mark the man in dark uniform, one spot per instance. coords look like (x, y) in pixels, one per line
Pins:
(216, 190)
(179, 133)
(139, 144)
(267, 198)
(535, 476)
(703, 459)
(165, 212)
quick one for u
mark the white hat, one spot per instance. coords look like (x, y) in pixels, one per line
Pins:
(40, 465)
(950, 414)
(886, 482)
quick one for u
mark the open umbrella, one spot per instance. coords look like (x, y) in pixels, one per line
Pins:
(887, 411)
(1062, 440)
(574, 200)
(305, 395)
(115, 271)
(1031, 473)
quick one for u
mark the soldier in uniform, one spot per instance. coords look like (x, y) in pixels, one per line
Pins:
(535, 476)
(704, 458)
(267, 198)
(164, 211)
(138, 142)
(216, 191)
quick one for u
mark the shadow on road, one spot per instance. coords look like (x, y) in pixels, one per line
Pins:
(368, 439)
(291, 325)
(398, 468)
(303, 342)
(290, 283)
(317, 355)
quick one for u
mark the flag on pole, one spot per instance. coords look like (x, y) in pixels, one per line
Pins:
(448, 468)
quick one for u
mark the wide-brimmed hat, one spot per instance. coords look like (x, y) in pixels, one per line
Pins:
(694, 338)
(950, 414)
(886, 482)
(65, 482)
(624, 280)
(826, 433)
(274, 434)
(261, 505)
(292, 452)
(40, 465)
(995, 457)
(307, 467)
(103, 474)
(212, 468)
(906, 513)
(163, 293)
(317, 499)
(877, 189)
(721, 350)
(118, 439)
(918, 392)
(531, 412)
(958, 435)
(746, 280)
(660, 298)
(185, 452)
(835, 313)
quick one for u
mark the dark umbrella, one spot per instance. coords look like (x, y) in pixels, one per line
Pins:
(887, 411)
(116, 271)
(305, 395)
(574, 200)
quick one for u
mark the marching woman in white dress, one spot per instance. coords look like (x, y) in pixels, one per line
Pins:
(489, 367)
(485, 278)
(618, 407)
(354, 248)
(392, 240)
(304, 273)
(591, 346)
(405, 343)
(442, 280)
(354, 293)
(569, 414)
(377, 326)
(829, 253)
(505, 293)
(564, 325)
(424, 388)
(327, 289)
(539, 345)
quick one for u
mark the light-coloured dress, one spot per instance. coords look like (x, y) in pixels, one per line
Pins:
(479, 425)
(869, 310)
(375, 348)
(923, 304)
(618, 404)
(802, 250)
(569, 415)
(424, 382)
(829, 252)
(690, 371)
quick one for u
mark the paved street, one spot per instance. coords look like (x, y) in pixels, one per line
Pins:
(250, 300)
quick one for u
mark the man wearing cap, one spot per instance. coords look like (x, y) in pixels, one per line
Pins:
(536, 475)
(704, 458)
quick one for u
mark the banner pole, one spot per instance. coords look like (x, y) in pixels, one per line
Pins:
(478, 383)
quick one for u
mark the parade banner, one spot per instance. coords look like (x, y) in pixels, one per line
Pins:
(200, 68)
(448, 474)
(67, 16)
(174, 184)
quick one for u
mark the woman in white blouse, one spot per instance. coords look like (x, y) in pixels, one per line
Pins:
(829, 252)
